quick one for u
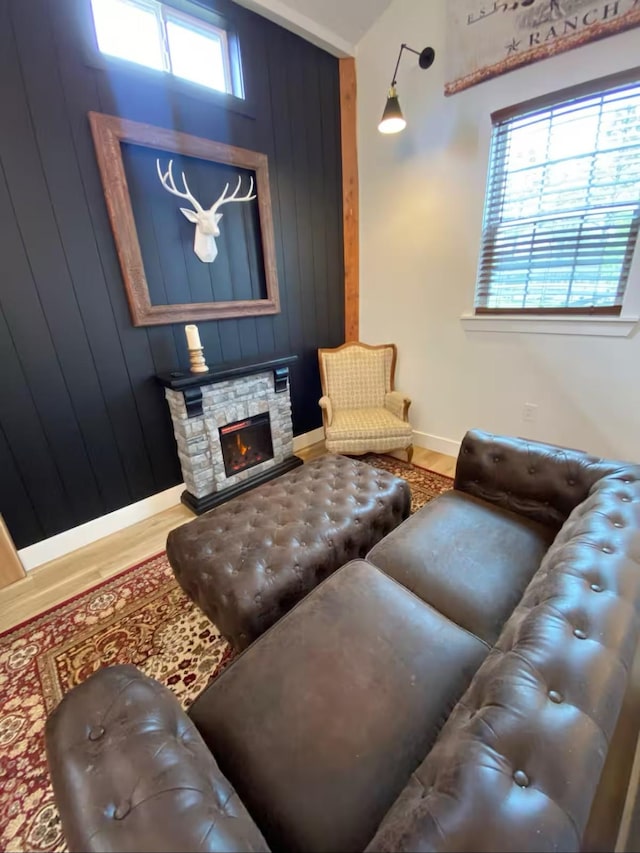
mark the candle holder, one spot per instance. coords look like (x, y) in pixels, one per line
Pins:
(196, 359)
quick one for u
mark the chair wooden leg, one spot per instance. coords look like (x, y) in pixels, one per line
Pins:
(410, 453)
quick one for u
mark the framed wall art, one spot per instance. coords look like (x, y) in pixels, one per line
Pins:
(192, 223)
(485, 39)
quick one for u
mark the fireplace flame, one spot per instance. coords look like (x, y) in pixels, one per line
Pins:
(241, 446)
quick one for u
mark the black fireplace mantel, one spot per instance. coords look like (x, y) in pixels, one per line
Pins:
(178, 380)
(191, 384)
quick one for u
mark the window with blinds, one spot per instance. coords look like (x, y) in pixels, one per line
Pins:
(563, 204)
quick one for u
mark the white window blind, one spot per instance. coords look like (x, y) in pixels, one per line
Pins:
(563, 206)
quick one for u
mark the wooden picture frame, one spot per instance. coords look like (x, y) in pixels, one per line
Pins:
(108, 133)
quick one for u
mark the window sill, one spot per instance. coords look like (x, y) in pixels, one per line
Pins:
(608, 327)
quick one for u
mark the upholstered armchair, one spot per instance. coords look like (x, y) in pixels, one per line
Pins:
(362, 412)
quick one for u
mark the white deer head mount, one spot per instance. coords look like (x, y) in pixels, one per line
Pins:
(206, 221)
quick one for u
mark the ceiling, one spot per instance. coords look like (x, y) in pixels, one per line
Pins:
(336, 25)
(349, 19)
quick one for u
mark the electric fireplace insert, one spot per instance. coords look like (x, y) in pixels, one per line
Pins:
(246, 443)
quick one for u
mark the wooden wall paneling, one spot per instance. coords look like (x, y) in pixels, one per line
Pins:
(128, 440)
(163, 350)
(169, 260)
(316, 314)
(11, 569)
(276, 46)
(236, 269)
(302, 107)
(272, 332)
(248, 337)
(350, 191)
(43, 381)
(230, 342)
(240, 253)
(84, 440)
(38, 240)
(315, 146)
(15, 503)
(256, 285)
(162, 344)
(95, 261)
(16, 506)
(135, 348)
(150, 404)
(256, 288)
(165, 270)
(287, 136)
(22, 423)
(334, 225)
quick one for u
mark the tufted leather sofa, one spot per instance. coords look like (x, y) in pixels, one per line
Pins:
(469, 686)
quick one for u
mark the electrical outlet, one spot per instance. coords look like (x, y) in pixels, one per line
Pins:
(530, 412)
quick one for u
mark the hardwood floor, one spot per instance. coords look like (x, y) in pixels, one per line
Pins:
(60, 579)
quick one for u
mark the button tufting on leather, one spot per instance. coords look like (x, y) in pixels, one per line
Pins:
(579, 633)
(554, 696)
(96, 733)
(122, 810)
(596, 587)
(532, 470)
(521, 778)
(607, 549)
(571, 482)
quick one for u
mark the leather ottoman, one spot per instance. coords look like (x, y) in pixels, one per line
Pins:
(247, 562)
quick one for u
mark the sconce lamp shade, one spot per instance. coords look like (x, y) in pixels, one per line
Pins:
(392, 120)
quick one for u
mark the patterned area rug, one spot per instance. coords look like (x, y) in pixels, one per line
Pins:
(425, 484)
(142, 617)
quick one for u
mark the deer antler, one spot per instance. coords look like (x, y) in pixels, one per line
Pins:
(168, 182)
(233, 197)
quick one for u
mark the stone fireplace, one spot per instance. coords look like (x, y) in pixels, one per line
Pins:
(232, 428)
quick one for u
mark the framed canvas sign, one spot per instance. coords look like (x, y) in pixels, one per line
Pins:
(489, 38)
(192, 223)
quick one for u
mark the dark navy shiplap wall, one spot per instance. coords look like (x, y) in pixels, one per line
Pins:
(84, 428)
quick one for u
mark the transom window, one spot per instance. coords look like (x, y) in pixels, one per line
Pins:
(157, 36)
(562, 209)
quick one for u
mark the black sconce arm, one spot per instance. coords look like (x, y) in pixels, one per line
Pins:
(426, 59)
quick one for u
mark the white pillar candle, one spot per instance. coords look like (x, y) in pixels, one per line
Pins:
(193, 337)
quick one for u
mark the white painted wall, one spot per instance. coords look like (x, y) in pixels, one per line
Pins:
(422, 196)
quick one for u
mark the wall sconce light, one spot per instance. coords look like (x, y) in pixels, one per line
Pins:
(392, 119)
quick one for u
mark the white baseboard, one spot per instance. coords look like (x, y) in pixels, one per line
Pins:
(435, 442)
(70, 540)
(307, 439)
